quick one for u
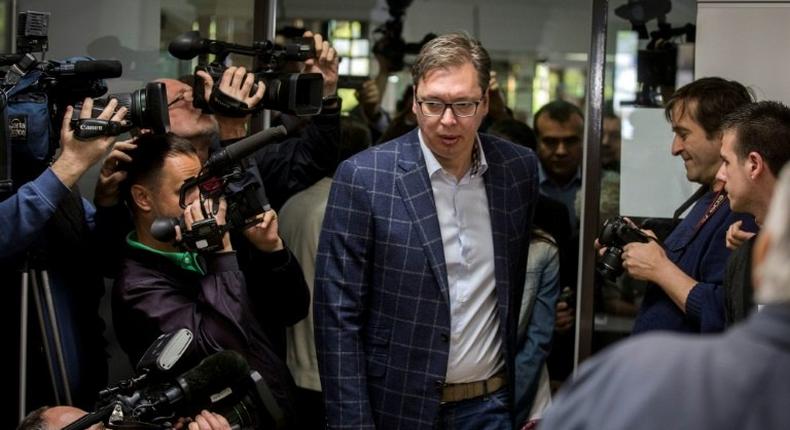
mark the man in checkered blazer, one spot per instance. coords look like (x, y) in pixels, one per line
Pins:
(422, 259)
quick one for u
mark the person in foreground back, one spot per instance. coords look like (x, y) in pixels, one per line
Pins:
(736, 380)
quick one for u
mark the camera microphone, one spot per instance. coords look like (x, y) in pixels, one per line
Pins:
(237, 151)
(97, 69)
(214, 374)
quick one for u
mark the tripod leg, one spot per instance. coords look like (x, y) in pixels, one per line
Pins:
(23, 346)
(53, 322)
(44, 336)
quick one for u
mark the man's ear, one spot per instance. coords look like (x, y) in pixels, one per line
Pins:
(142, 198)
(756, 165)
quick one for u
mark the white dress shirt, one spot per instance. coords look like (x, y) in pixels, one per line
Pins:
(465, 223)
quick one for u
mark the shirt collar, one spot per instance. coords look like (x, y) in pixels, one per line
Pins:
(185, 260)
(479, 162)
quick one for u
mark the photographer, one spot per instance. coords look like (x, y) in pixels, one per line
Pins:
(161, 288)
(685, 275)
(47, 230)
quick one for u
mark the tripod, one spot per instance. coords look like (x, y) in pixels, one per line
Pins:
(36, 279)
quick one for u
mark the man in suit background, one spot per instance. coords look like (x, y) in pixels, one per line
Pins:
(421, 262)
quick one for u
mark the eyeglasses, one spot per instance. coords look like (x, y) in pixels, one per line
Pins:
(436, 108)
(181, 96)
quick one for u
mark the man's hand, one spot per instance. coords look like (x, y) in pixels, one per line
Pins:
(265, 235)
(564, 318)
(209, 421)
(643, 260)
(110, 176)
(236, 82)
(77, 155)
(736, 237)
(370, 99)
(649, 262)
(325, 62)
(193, 214)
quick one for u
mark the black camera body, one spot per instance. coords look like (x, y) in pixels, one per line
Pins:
(222, 382)
(225, 174)
(146, 108)
(293, 93)
(616, 233)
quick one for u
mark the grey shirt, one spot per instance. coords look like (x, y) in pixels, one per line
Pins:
(735, 380)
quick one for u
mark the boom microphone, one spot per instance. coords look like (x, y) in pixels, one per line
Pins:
(98, 69)
(236, 152)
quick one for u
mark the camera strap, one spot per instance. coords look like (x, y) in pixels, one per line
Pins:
(225, 105)
(718, 200)
(88, 128)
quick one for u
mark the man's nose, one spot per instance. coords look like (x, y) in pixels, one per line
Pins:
(677, 146)
(448, 117)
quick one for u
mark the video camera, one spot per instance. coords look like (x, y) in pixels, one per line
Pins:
(146, 108)
(390, 43)
(294, 93)
(657, 64)
(222, 383)
(222, 175)
(616, 233)
(34, 94)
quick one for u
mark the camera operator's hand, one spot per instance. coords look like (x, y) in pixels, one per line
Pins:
(209, 421)
(369, 98)
(77, 155)
(565, 315)
(236, 82)
(107, 192)
(265, 235)
(649, 262)
(193, 214)
(736, 237)
(325, 62)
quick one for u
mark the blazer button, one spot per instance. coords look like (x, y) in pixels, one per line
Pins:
(445, 337)
(439, 384)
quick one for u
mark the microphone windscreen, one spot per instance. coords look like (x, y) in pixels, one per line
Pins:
(98, 69)
(215, 373)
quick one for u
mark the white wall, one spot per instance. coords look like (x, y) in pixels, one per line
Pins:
(748, 42)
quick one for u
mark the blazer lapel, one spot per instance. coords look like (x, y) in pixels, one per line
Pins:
(415, 189)
(497, 192)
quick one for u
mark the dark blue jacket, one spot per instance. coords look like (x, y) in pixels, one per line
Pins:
(700, 253)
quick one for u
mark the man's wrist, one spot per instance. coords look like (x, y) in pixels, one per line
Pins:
(331, 104)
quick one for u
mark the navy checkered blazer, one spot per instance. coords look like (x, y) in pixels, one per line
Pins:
(382, 312)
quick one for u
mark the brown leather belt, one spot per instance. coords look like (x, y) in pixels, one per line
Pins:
(470, 390)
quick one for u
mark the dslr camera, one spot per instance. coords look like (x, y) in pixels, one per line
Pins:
(293, 93)
(616, 233)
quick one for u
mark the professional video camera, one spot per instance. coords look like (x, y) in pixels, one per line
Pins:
(390, 43)
(221, 175)
(36, 92)
(222, 383)
(293, 93)
(146, 108)
(657, 64)
(616, 233)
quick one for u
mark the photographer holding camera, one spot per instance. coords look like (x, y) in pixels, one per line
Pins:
(685, 275)
(162, 288)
